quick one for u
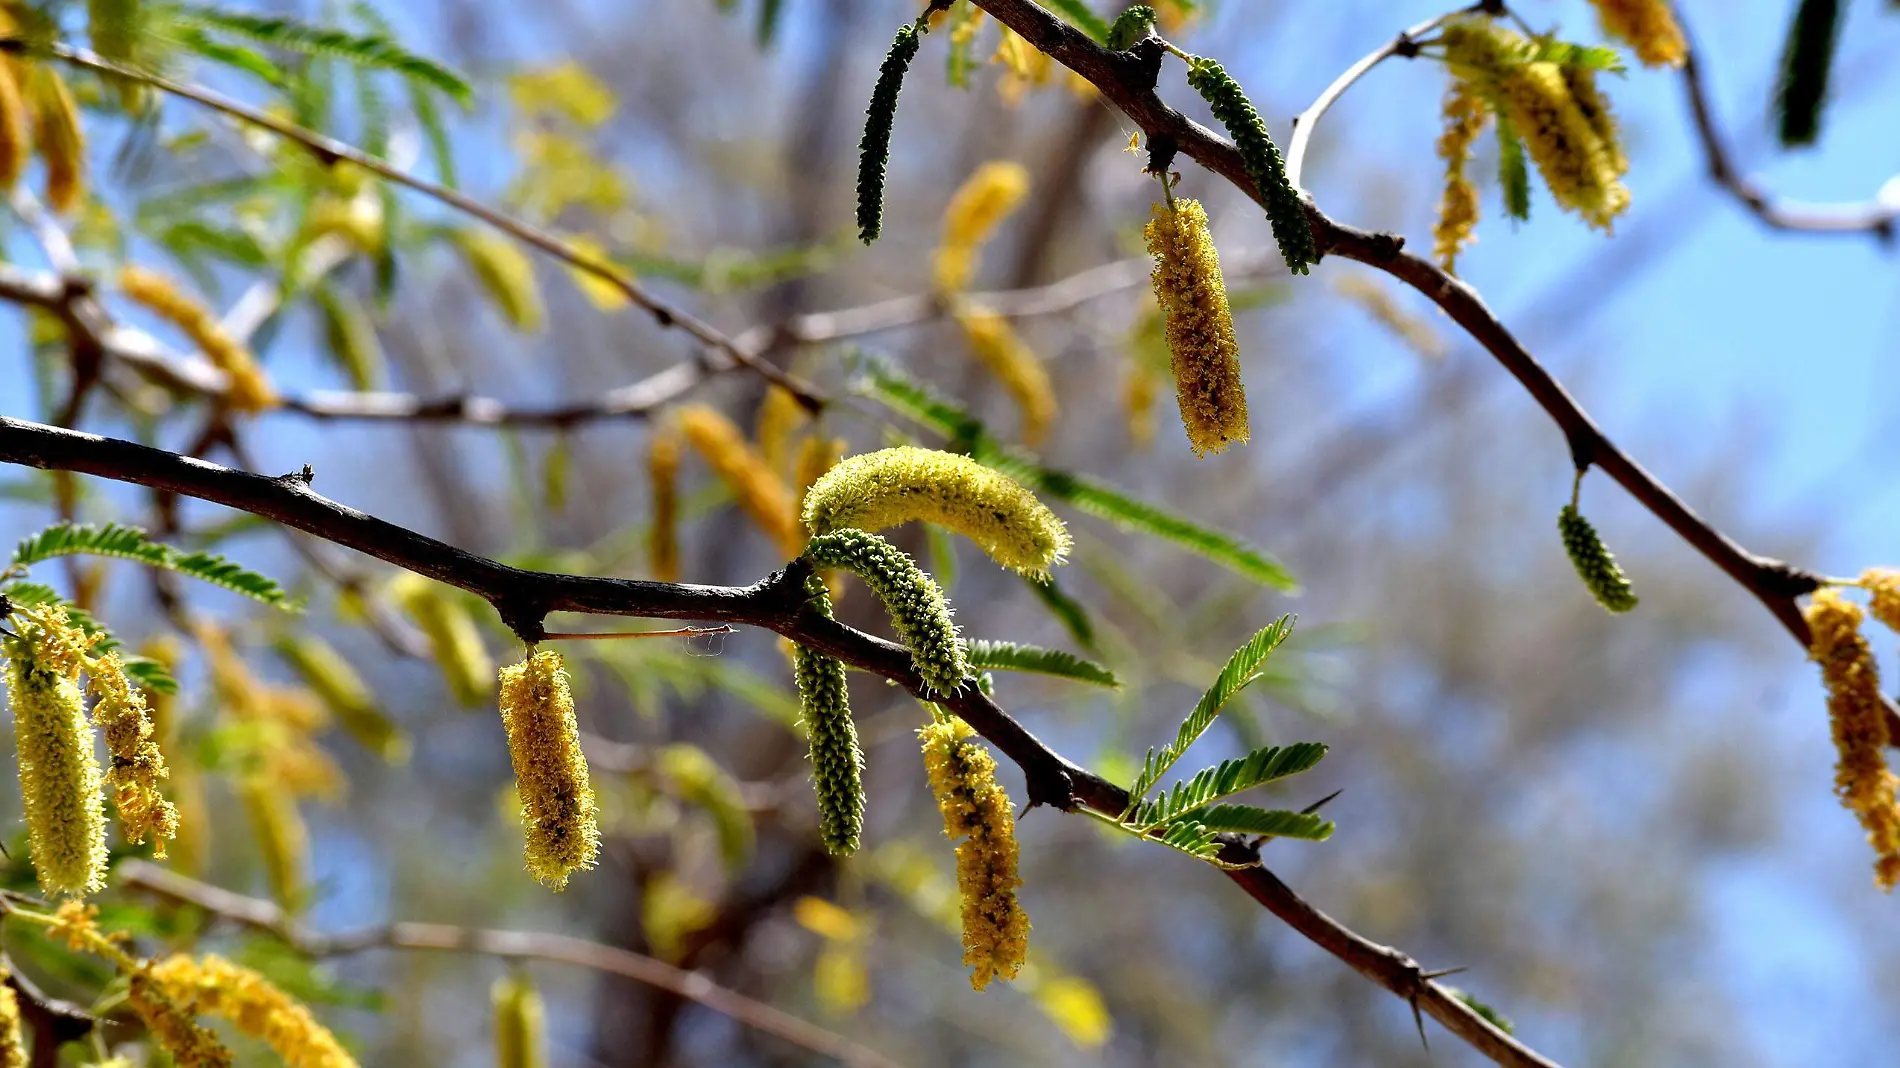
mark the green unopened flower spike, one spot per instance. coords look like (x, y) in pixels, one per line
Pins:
(916, 604)
(1131, 26)
(1261, 158)
(1595, 566)
(837, 764)
(874, 149)
(890, 487)
(1806, 63)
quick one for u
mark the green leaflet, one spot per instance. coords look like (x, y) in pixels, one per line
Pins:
(1514, 177)
(1067, 610)
(371, 50)
(1241, 668)
(1806, 61)
(1274, 822)
(1010, 656)
(130, 543)
(1084, 18)
(1194, 839)
(1581, 57)
(889, 386)
(874, 148)
(1226, 779)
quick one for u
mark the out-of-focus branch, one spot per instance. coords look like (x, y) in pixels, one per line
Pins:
(262, 915)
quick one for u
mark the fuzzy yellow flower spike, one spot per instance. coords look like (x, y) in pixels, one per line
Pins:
(893, 486)
(1648, 26)
(520, 1027)
(663, 536)
(137, 764)
(1884, 584)
(60, 138)
(1861, 777)
(558, 813)
(213, 986)
(172, 1027)
(1465, 118)
(980, 203)
(759, 490)
(59, 775)
(974, 808)
(251, 390)
(1200, 328)
(1005, 355)
(13, 1053)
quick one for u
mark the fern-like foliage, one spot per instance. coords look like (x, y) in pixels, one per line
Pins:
(1241, 668)
(363, 50)
(1083, 16)
(1067, 610)
(1273, 822)
(1195, 839)
(1011, 656)
(130, 543)
(147, 672)
(965, 433)
(1229, 777)
(1514, 175)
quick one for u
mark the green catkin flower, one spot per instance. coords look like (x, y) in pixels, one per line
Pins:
(837, 764)
(1130, 27)
(558, 815)
(1595, 566)
(520, 1023)
(1262, 159)
(893, 486)
(1806, 63)
(1201, 345)
(59, 776)
(916, 604)
(12, 1043)
(874, 149)
(975, 808)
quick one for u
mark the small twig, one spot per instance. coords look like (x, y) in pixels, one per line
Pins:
(598, 636)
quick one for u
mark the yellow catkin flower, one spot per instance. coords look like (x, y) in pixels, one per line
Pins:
(172, 1026)
(213, 986)
(963, 777)
(137, 764)
(251, 389)
(1577, 166)
(1004, 354)
(558, 814)
(13, 1053)
(1026, 66)
(1648, 26)
(1201, 343)
(60, 139)
(1861, 777)
(1466, 116)
(1582, 84)
(663, 534)
(1377, 301)
(759, 490)
(15, 133)
(283, 839)
(335, 682)
(780, 415)
(59, 776)
(1884, 584)
(520, 1026)
(990, 193)
(893, 486)
(454, 639)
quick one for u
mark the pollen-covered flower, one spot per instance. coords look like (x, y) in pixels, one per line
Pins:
(1648, 26)
(1595, 565)
(1884, 584)
(758, 489)
(1466, 116)
(60, 138)
(1578, 167)
(979, 204)
(137, 765)
(13, 1052)
(558, 814)
(454, 640)
(892, 486)
(251, 390)
(520, 1023)
(172, 1027)
(963, 776)
(59, 776)
(1201, 343)
(1582, 83)
(1861, 777)
(663, 535)
(913, 599)
(213, 986)
(837, 763)
(1004, 354)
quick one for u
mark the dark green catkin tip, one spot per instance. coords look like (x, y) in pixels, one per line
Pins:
(1806, 60)
(1131, 26)
(837, 764)
(916, 604)
(1262, 160)
(874, 149)
(1594, 564)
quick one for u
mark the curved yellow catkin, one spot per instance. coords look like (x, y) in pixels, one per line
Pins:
(59, 776)
(1648, 26)
(1884, 584)
(283, 839)
(137, 764)
(454, 639)
(13, 1053)
(520, 1024)
(1582, 83)
(558, 814)
(172, 1027)
(335, 682)
(759, 490)
(1004, 354)
(892, 486)
(780, 414)
(1861, 777)
(1466, 116)
(251, 389)
(60, 139)
(663, 533)
(974, 808)
(213, 986)
(991, 192)
(15, 134)
(1577, 166)
(1201, 343)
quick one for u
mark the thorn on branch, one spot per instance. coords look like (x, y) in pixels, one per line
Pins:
(1162, 148)
(303, 477)
(525, 616)
(1053, 787)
